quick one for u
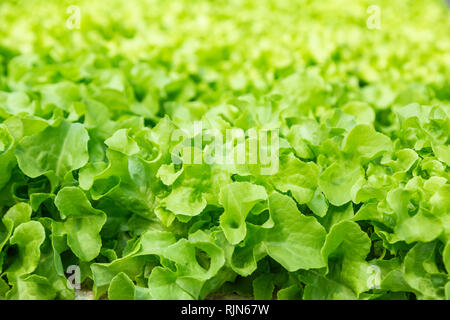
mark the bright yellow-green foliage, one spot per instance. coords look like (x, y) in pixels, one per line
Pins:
(100, 102)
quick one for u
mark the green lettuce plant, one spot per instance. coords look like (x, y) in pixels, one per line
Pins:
(107, 185)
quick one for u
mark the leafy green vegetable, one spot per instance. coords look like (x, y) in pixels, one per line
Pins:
(295, 240)
(121, 288)
(177, 150)
(82, 223)
(55, 150)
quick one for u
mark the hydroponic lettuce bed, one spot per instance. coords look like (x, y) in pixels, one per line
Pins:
(113, 115)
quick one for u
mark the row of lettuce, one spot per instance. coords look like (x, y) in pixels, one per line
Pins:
(357, 208)
(345, 200)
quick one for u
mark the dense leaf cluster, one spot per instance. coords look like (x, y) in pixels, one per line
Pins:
(358, 208)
